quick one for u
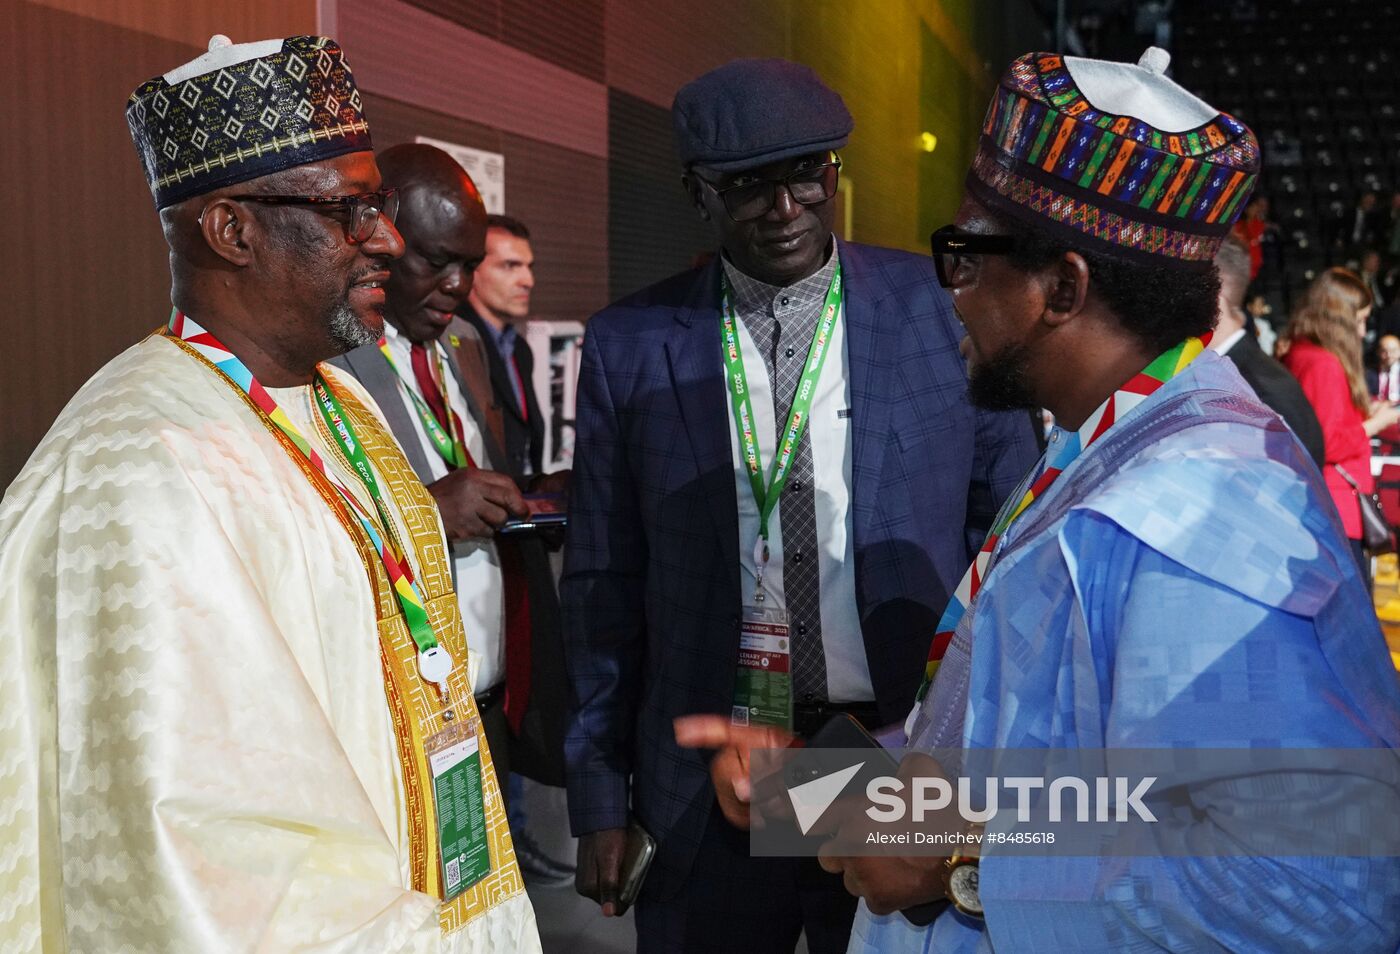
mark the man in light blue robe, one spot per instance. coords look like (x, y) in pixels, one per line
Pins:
(1182, 583)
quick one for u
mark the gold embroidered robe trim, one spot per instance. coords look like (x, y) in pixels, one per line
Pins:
(415, 707)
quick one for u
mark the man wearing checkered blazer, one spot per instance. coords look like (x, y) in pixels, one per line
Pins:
(892, 486)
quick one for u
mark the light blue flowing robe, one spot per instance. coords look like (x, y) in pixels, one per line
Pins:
(1184, 583)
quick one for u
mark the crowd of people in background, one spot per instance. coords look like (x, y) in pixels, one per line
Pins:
(1336, 332)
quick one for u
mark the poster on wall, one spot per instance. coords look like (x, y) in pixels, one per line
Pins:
(487, 169)
(555, 381)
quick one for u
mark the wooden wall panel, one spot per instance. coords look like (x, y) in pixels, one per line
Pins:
(483, 16)
(560, 194)
(566, 34)
(195, 22)
(654, 47)
(412, 56)
(87, 275)
(392, 121)
(652, 230)
(563, 197)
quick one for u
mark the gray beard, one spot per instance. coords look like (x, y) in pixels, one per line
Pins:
(348, 331)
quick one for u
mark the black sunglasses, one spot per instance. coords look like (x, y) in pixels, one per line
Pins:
(950, 246)
(363, 209)
(812, 185)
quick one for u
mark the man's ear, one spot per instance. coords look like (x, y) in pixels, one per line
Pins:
(225, 226)
(692, 187)
(1067, 288)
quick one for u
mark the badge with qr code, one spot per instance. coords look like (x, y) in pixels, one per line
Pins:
(455, 759)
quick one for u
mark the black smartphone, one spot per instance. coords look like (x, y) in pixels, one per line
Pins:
(636, 860)
(844, 732)
(546, 511)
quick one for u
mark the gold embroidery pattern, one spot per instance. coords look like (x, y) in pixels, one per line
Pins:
(418, 516)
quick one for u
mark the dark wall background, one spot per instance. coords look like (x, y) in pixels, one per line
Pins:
(574, 93)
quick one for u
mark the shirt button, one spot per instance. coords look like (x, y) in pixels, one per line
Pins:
(783, 300)
(795, 485)
(802, 631)
(791, 352)
(797, 557)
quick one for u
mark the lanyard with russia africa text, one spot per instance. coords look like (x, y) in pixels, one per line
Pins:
(451, 446)
(766, 496)
(434, 663)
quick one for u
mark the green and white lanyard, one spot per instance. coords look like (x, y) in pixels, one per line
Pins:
(451, 447)
(767, 495)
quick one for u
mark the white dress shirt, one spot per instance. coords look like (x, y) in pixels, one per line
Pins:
(1223, 345)
(829, 430)
(480, 588)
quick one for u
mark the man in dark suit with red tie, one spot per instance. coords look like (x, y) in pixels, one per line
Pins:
(503, 582)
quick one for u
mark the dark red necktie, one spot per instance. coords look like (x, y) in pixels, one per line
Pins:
(518, 634)
(432, 394)
(517, 593)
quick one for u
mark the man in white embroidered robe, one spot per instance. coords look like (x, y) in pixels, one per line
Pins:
(196, 753)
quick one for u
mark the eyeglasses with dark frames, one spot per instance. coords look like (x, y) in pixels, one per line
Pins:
(362, 210)
(950, 246)
(747, 201)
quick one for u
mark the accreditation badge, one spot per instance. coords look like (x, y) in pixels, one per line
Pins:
(763, 689)
(454, 756)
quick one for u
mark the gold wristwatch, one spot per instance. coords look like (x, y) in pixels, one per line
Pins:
(960, 876)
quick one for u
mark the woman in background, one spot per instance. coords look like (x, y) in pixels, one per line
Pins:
(1323, 351)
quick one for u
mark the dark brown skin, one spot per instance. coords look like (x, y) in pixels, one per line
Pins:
(266, 281)
(600, 868)
(1079, 353)
(443, 223)
(789, 243)
(785, 246)
(889, 884)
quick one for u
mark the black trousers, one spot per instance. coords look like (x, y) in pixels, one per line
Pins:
(738, 904)
(497, 730)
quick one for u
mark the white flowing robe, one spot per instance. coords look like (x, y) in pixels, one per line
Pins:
(196, 753)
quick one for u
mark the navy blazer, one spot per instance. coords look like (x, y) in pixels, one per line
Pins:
(651, 594)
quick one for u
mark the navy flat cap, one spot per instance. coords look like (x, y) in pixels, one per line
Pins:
(747, 113)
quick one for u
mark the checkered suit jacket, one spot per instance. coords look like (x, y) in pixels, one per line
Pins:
(650, 592)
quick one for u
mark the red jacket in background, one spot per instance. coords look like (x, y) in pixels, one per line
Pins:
(1344, 439)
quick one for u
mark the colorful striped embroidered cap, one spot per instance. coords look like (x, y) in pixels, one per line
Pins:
(1114, 157)
(242, 111)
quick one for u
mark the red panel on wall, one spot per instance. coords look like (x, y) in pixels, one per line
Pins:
(569, 34)
(90, 276)
(410, 55)
(656, 46)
